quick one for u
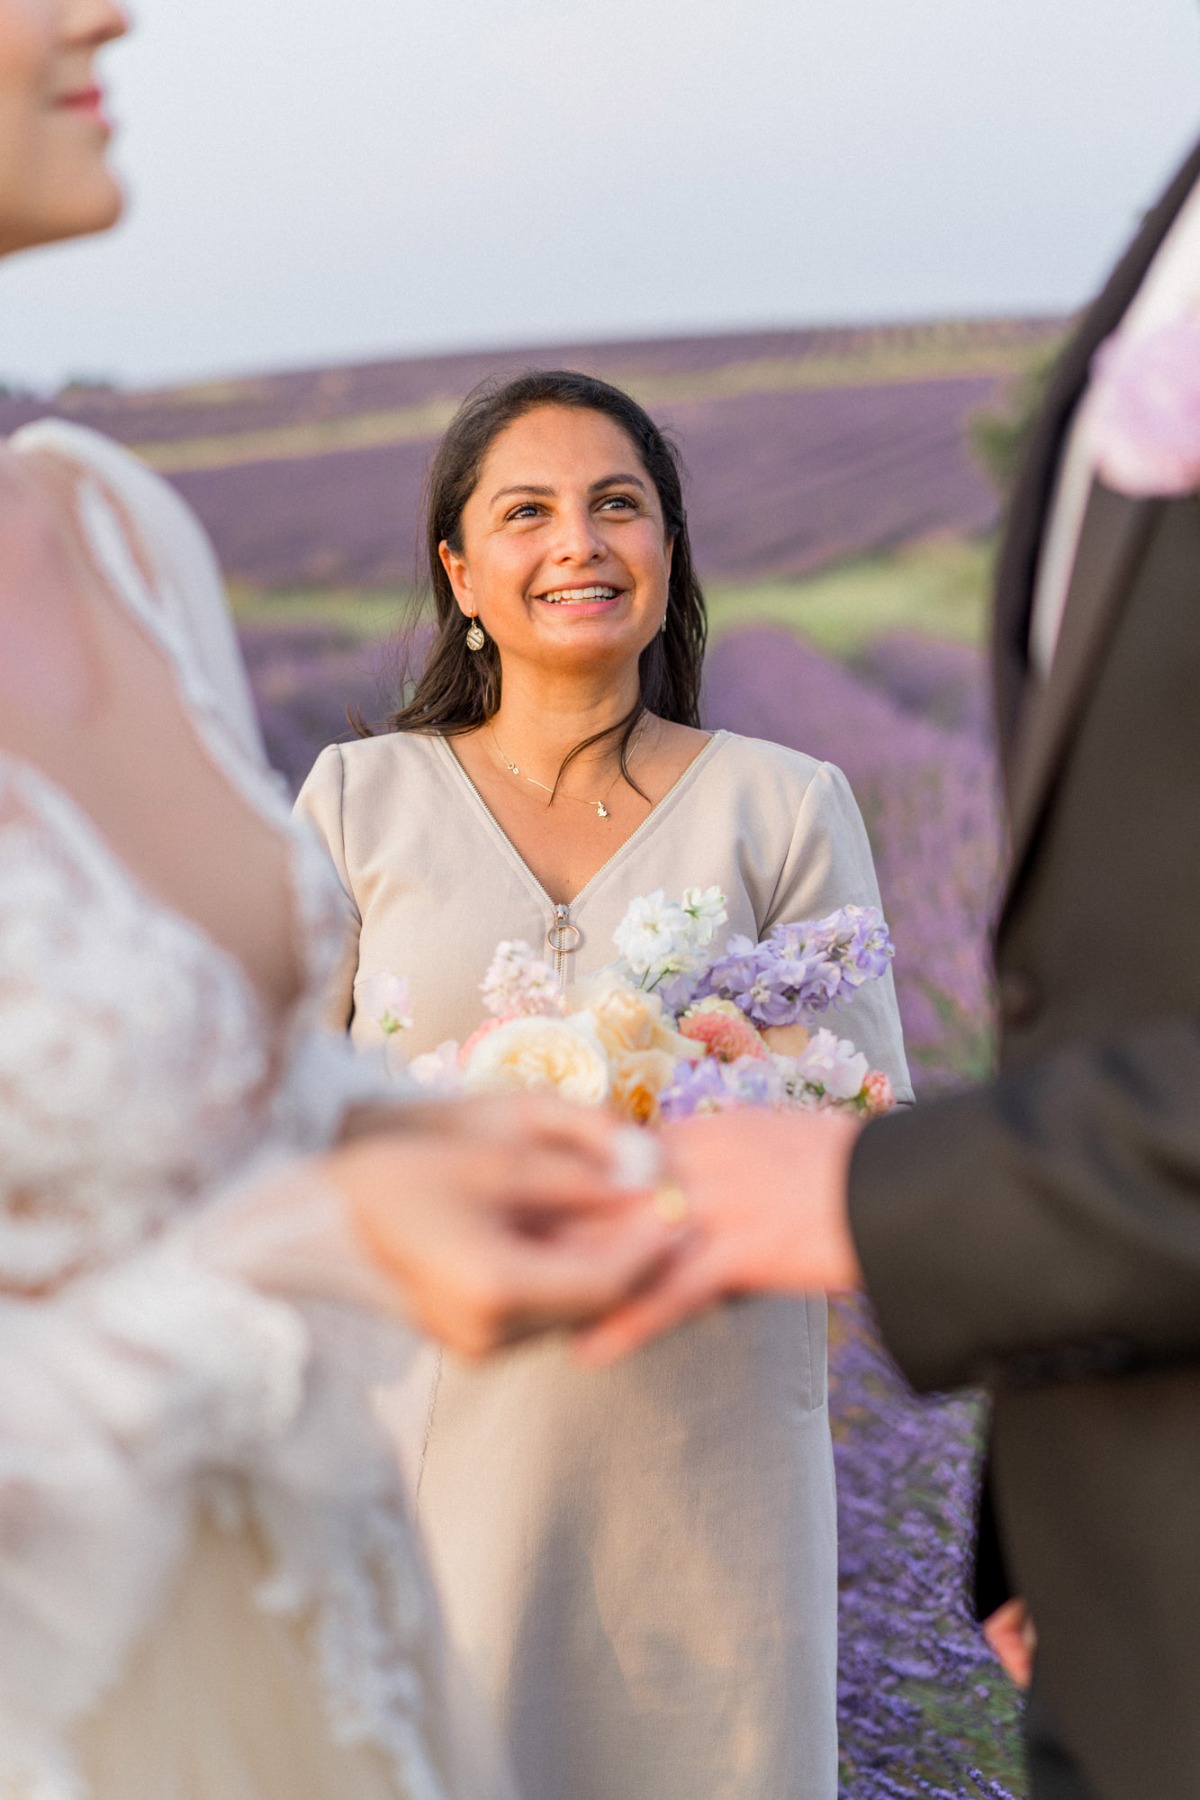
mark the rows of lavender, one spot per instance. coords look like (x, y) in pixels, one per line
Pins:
(785, 476)
(924, 1710)
(846, 471)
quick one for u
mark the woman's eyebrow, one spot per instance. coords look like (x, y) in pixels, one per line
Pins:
(547, 493)
(618, 481)
(543, 493)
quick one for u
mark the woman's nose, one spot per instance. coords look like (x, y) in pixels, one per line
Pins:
(577, 538)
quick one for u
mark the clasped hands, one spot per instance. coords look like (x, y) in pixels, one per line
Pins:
(503, 1218)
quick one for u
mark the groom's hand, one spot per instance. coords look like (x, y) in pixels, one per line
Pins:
(1012, 1640)
(763, 1198)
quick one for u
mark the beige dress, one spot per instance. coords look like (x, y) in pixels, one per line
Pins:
(640, 1564)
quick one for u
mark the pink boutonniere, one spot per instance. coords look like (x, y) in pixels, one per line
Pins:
(1143, 412)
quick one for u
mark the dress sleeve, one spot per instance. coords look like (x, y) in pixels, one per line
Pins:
(829, 864)
(319, 803)
(186, 585)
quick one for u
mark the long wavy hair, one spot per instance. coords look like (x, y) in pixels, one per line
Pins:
(458, 689)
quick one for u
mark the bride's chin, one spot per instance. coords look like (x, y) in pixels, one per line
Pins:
(94, 203)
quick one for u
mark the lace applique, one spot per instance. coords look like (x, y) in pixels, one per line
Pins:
(132, 1054)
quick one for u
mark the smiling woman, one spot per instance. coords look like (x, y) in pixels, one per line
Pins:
(572, 498)
(639, 1561)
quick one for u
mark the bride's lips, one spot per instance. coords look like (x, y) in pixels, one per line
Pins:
(87, 101)
(583, 602)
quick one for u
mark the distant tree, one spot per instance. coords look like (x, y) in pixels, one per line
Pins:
(79, 387)
(997, 435)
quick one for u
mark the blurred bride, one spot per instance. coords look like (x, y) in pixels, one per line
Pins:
(208, 1584)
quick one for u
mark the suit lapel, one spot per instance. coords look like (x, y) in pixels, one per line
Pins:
(1115, 532)
(1034, 489)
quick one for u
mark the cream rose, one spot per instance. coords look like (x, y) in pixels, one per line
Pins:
(564, 1054)
(638, 1078)
(628, 1020)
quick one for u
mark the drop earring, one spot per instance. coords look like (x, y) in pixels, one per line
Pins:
(475, 634)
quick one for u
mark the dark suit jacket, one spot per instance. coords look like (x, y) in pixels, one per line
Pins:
(1042, 1235)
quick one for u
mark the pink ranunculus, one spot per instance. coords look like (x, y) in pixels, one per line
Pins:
(725, 1032)
(1142, 414)
(477, 1037)
(878, 1092)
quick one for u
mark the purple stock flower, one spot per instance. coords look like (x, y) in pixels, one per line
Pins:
(802, 970)
(714, 1086)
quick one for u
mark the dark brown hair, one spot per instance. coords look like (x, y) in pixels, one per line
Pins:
(459, 689)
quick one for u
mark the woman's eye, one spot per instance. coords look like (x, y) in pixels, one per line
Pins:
(622, 502)
(527, 510)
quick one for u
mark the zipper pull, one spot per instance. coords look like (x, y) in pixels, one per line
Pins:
(564, 939)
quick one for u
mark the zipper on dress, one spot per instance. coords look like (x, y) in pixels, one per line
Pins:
(564, 939)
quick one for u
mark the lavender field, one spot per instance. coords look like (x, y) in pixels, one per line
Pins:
(803, 447)
(925, 1711)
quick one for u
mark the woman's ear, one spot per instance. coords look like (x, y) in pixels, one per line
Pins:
(455, 565)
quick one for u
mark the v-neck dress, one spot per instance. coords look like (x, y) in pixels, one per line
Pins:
(639, 1564)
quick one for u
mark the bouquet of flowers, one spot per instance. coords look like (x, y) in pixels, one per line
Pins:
(671, 1027)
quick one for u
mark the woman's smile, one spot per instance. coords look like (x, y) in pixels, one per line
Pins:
(588, 602)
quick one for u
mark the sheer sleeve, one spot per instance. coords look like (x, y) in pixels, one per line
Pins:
(186, 588)
(829, 864)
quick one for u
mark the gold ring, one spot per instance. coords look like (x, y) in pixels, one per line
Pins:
(670, 1203)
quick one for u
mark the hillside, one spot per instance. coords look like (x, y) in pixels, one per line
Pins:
(803, 447)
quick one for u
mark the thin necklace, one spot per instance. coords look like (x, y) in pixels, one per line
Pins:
(599, 807)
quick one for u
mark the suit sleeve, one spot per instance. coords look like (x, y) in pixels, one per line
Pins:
(320, 803)
(1045, 1227)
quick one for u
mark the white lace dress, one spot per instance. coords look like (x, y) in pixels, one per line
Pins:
(208, 1582)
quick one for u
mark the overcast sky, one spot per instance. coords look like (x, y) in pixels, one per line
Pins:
(327, 180)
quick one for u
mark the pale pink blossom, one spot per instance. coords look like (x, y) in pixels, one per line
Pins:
(383, 998)
(832, 1063)
(518, 983)
(438, 1069)
(1143, 411)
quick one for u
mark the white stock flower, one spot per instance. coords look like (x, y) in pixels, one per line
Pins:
(564, 1054)
(659, 938)
(707, 911)
(833, 1063)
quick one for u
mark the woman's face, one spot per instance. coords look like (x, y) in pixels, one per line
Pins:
(564, 556)
(54, 176)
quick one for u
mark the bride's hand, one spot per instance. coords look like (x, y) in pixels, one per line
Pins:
(504, 1221)
(763, 1199)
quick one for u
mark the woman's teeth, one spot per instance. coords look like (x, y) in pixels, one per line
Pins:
(568, 596)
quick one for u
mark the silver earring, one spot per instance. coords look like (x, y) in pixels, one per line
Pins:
(475, 637)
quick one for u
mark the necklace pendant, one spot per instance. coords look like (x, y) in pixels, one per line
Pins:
(602, 811)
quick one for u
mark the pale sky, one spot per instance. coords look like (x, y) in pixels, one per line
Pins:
(332, 180)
